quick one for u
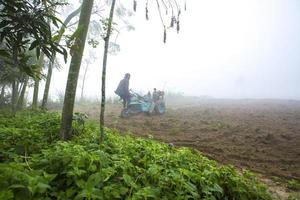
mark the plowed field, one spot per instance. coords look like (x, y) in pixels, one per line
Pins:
(260, 135)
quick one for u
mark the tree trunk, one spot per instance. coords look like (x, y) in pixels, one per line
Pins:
(15, 84)
(37, 83)
(22, 95)
(2, 92)
(47, 86)
(50, 67)
(70, 92)
(14, 97)
(83, 81)
(106, 39)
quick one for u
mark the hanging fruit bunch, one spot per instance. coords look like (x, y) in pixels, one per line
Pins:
(167, 5)
(147, 11)
(134, 5)
(165, 35)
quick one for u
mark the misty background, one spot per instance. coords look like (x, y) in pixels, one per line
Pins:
(225, 49)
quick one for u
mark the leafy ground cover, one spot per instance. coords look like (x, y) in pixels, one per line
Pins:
(35, 164)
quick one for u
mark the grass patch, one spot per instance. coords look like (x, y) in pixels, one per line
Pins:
(293, 185)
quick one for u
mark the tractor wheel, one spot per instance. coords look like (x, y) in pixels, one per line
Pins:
(151, 110)
(125, 113)
(160, 108)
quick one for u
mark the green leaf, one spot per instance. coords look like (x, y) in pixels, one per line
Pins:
(6, 194)
(17, 186)
(34, 44)
(127, 179)
(47, 52)
(49, 177)
(38, 52)
(80, 183)
(55, 38)
(42, 187)
(93, 180)
(4, 53)
(217, 188)
(4, 23)
(65, 55)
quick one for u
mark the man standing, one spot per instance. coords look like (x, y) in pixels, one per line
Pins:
(123, 90)
(155, 95)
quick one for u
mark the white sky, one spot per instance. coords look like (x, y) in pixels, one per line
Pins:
(225, 48)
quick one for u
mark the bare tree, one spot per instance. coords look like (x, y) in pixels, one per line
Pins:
(88, 60)
(22, 94)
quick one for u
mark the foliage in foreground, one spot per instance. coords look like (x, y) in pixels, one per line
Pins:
(36, 165)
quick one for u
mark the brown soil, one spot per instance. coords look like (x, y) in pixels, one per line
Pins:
(260, 135)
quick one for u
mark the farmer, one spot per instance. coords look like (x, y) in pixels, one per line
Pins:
(123, 90)
(155, 96)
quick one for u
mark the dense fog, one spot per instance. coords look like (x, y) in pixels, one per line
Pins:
(225, 49)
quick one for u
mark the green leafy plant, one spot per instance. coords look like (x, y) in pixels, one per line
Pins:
(79, 122)
(293, 197)
(293, 185)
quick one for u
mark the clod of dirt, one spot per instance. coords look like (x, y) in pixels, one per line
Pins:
(248, 136)
(257, 130)
(165, 125)
(287, 137)
(269, 137)
(147, 123)
(234, 139)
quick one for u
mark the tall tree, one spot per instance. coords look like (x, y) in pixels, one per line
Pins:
(89, 59)
(37, 83)
(106, 43)
(12, 77)
(83, 79)
(2, 95)
(19, 33)
(2, 92)
(14, 95)
(22, 94)
(51, 63)
(78, 48)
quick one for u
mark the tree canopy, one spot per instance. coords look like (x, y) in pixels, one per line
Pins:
(26, 25)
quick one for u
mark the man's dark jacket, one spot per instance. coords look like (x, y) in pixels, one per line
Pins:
(123, 88)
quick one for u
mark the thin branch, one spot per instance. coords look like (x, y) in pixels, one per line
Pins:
(70, 16)
(170, 4)
(165, 5)
(176, 5)
(162, 21)
(118, 33)
(76, 22)
(158, 8)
